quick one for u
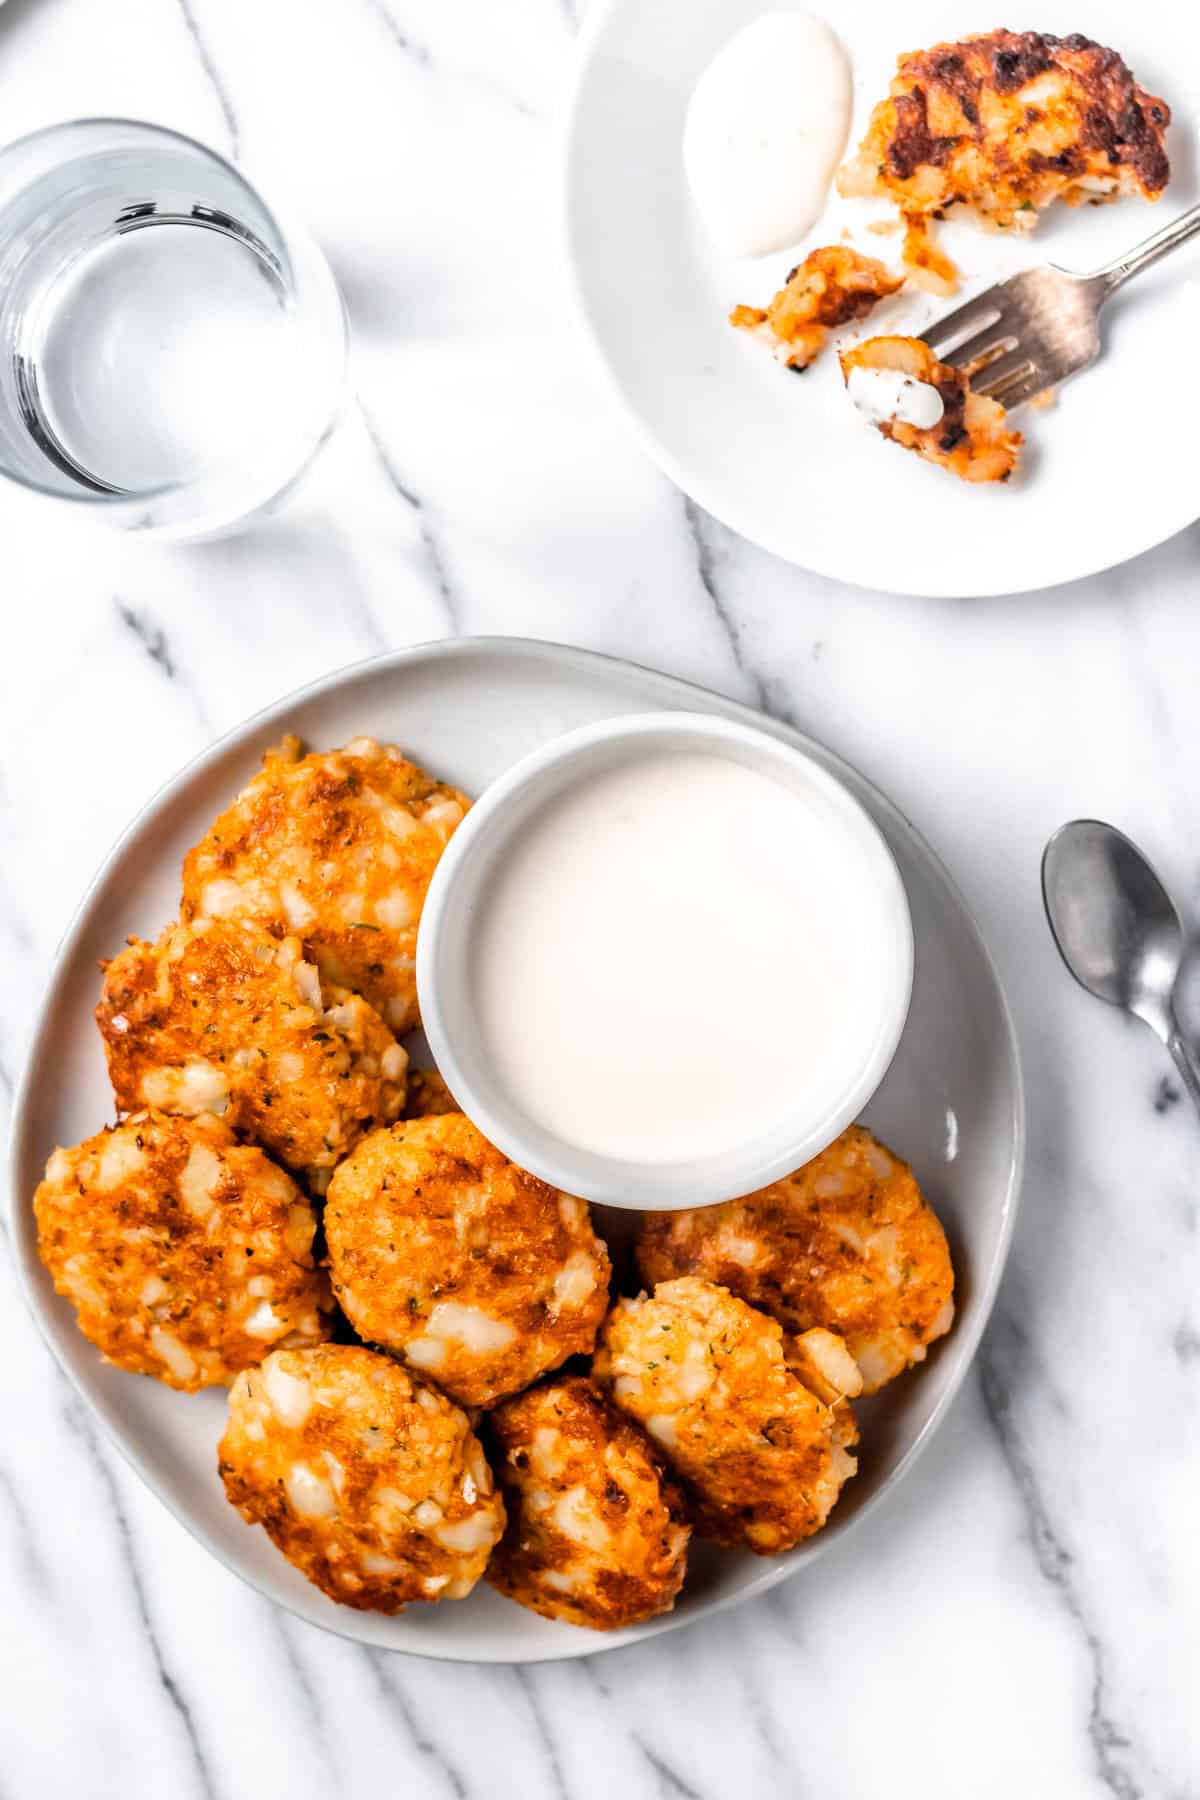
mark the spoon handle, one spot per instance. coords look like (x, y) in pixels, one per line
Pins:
(1185, 1061)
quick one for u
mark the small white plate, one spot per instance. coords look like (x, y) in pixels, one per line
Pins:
(951, 1103)
(785, 459)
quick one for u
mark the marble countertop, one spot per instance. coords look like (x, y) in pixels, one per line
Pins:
(1021, 1619)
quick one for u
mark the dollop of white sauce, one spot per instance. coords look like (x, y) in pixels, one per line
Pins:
(888, 396)
(765, 129)
(675, 954)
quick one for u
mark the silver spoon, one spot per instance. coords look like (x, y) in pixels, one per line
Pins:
(1118, 930)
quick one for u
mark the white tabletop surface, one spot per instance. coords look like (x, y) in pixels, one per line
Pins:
(1022, 1619)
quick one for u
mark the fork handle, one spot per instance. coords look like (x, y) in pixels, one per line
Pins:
(1116, 273)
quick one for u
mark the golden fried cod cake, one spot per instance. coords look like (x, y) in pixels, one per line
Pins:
(830, 287)
(186, 1255)
(595, 1534)
(763, 1459)
(218, 1016)
(847, 1243)
(373, 1485)
(1006, 123)
(478, 1274)
(337, 848)
(971, 440)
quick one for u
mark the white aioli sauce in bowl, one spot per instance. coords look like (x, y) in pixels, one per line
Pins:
(664, 960)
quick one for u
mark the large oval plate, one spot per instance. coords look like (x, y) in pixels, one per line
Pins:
(786, 460)
(951, 1103)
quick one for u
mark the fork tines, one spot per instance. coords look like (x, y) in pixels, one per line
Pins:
(1020, 336)
(983, 337)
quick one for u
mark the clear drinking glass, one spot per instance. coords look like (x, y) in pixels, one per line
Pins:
(171, 355)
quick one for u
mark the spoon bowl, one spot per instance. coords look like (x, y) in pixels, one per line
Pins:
(1117, 929)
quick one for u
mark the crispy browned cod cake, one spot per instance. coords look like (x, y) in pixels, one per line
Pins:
(337, 848)
(847, 1243)
(971, 440)
(478, 1274)
(762, 1457)
(1006, 123)
(371, 1483)
(186, 1255)
(218, 1016)
(830, 287)
(595, 1534)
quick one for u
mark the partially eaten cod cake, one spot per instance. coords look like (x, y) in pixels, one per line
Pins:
(832, 286)
(930, 408)
(1006, 123)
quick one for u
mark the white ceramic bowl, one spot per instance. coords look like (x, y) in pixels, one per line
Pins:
(878, 983)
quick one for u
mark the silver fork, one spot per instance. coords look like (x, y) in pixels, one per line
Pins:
(1030, 332)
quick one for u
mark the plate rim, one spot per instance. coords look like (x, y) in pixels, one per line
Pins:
(699, 492)
(553, 653)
